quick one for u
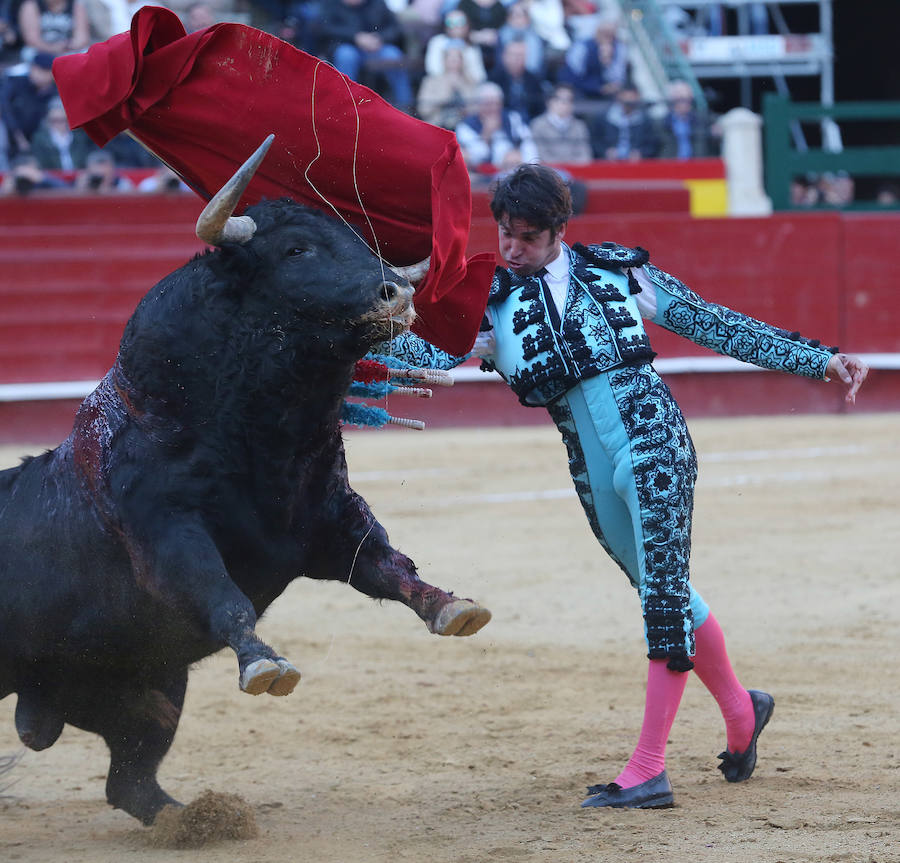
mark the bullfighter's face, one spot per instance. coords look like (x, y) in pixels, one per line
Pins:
(527, 248)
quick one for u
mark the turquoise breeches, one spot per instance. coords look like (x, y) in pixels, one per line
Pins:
(634, 467)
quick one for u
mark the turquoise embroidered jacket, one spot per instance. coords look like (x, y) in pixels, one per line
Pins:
(601, 328)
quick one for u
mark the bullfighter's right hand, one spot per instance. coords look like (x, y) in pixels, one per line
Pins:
(851, 370)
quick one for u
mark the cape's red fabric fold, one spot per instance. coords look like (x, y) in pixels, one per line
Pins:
(204, 101)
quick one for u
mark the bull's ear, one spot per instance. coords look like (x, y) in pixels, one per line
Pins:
(233, 268)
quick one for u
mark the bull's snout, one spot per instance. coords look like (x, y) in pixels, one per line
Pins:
(399, 302)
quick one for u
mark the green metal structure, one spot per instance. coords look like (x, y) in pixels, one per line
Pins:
(784, 162)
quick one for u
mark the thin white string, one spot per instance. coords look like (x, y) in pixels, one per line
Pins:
(356, 555)
(327, 655)
(377, 250)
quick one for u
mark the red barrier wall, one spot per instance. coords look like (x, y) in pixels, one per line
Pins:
(71, 271)
(870, 272)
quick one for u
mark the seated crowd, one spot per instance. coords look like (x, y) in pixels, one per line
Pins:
(516, 80)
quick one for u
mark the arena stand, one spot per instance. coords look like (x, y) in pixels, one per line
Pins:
(74, 268)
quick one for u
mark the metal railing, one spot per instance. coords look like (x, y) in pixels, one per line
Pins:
(659, 47)
(784, 162)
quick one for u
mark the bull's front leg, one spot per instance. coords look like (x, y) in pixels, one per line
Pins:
(186, 569)
(361, 554)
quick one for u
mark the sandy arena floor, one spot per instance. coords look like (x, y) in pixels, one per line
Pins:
(400, 745)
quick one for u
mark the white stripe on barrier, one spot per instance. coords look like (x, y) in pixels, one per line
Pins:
(686, 365)
(51, 390)
(36, 392)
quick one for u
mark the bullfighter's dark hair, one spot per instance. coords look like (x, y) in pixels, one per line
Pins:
(535, 194)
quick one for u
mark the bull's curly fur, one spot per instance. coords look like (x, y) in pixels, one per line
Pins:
(204, 473)
(239, 344)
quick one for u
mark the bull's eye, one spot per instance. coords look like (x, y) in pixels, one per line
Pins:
(296, 252)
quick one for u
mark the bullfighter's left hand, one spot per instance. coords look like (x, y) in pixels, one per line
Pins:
(851, 370)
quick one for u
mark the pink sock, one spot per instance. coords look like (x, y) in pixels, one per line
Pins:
(664, 691)
(713, 667)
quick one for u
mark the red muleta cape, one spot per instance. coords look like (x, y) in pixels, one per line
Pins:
(203, 102)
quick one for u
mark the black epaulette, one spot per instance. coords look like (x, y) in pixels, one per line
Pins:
(501, 286)
(611, 256)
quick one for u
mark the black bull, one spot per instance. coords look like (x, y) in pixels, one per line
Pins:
(204, 474)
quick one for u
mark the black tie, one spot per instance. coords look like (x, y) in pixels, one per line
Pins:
(555, 320)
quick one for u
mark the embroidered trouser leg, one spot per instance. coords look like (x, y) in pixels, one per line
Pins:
(634, 467)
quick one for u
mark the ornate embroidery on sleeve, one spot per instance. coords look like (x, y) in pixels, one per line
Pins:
(734, 334)
(417, 352)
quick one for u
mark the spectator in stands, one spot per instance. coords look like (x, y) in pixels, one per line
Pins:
(445, 99)
(583, 16)
(198, 16)
(486, 17)
(24, 99)
(597, 68)
(518, 29)
(10, 41)
(560, 136)
(162, 181)
(581, 7)
(493, 139)
(680, 22)
(685, 132)
(419, 20)
(26, 176)
(712, 20)
(887, 195)
(108, 17)
(804, 191)
(53, 27)
(4, 147)
(57, 147)
(456, 30)
(523, 91)
(365, 34)
(102, 175)
(128, 153)
(295, 21)
(549, 22)
(626, 131)
(836, 189)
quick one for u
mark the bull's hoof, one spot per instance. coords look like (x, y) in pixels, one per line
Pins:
(277, 677)
(286, 681)
(140, 797)
(257, 677)
(460, 617)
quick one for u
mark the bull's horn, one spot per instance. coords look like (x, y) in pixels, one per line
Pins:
(216, 225)
(415, 272)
